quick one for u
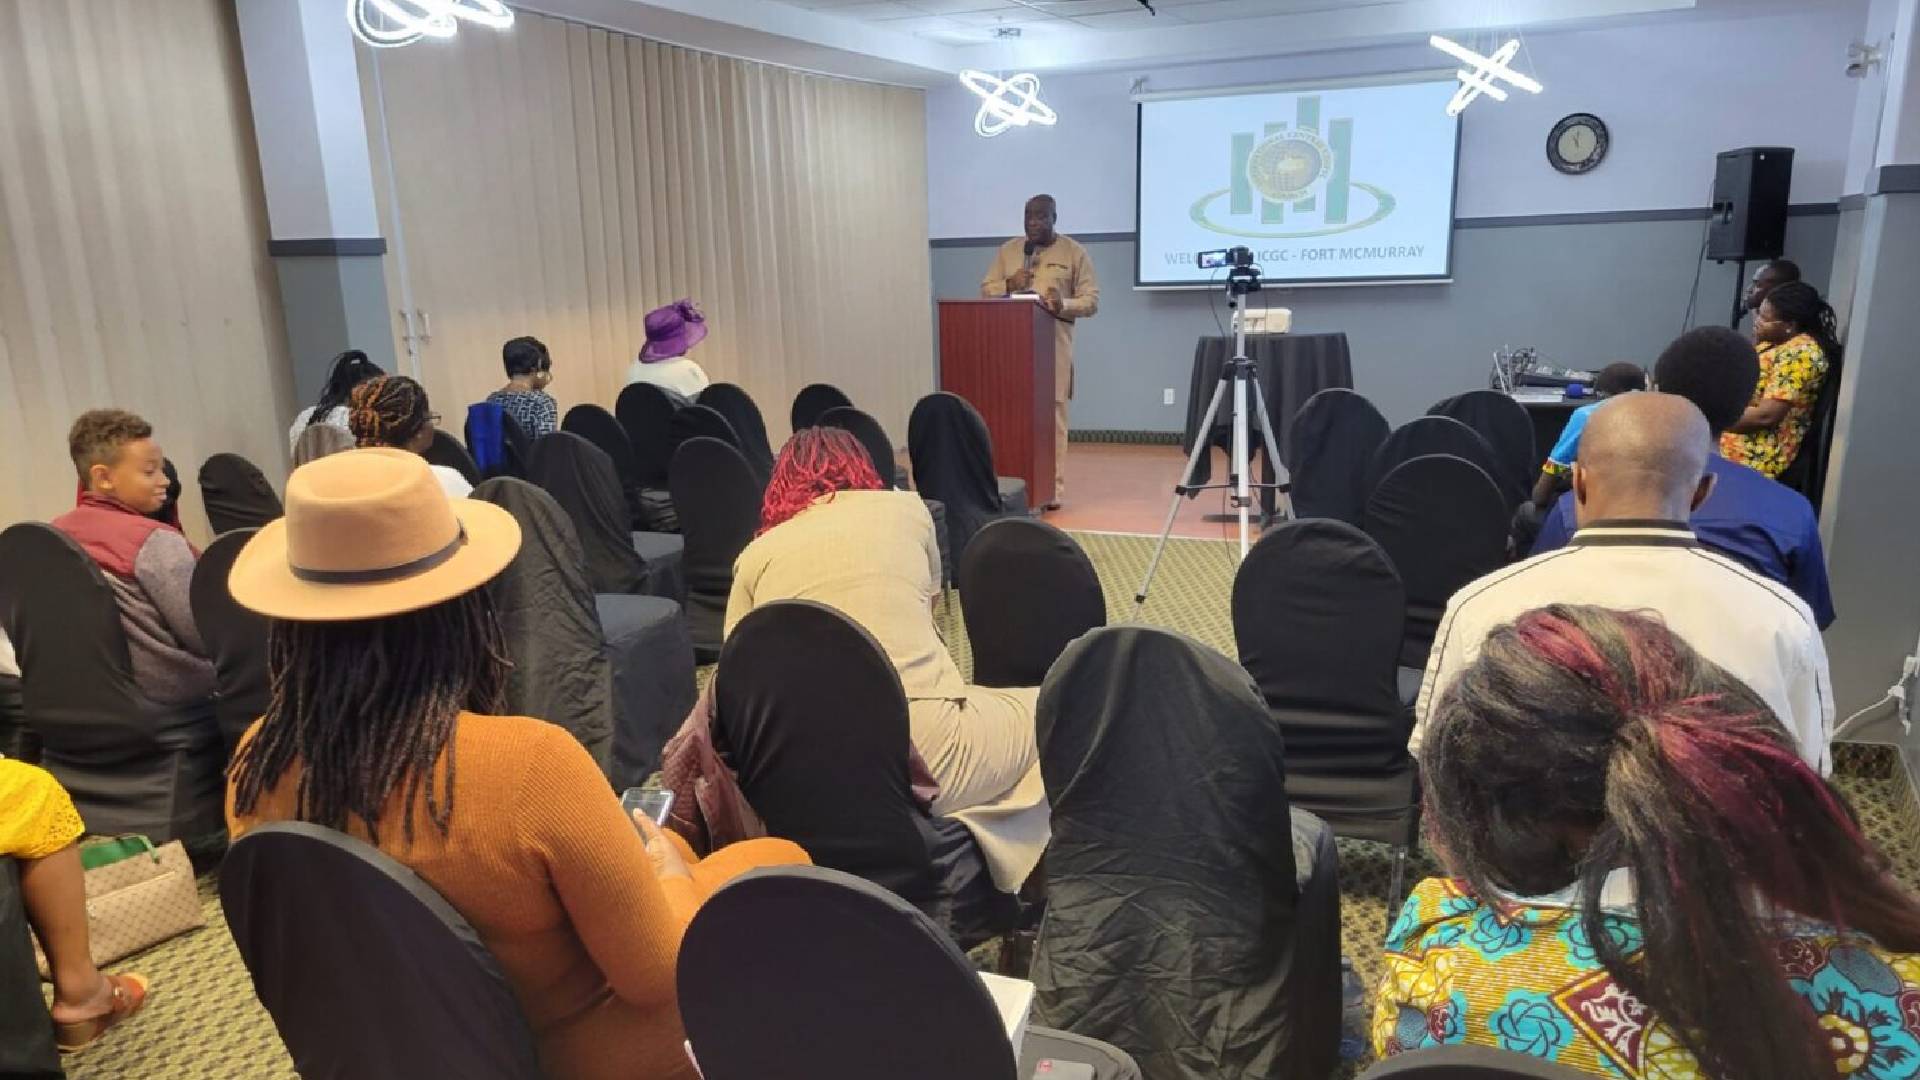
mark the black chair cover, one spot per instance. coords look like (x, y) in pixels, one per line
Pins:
(718, 498)
(1318, 613)
(236, 637)
(446, 450)
(1466, 1062)
(597, 426)
(366, 970)
(1443, 522)
(236, 494)
(953, 462)
(1504, 423)
(27, 1049)
(1030, 591)
(646, 412)
(703, 422)
(756, 1006)
(871, 435)
(1330, 447)
(1433, 435)
(814, 722)
(1192, 918)
(130, 765)
(561, 672)
(813, 401)
(744, 417)
(582, 481)
(653, 683)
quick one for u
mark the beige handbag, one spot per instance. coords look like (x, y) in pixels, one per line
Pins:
(137, 901)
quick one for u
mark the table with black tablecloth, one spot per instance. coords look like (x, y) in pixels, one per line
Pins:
(1290, 369)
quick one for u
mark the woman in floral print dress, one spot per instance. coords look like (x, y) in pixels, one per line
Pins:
(1794, 331)
(1647, 881)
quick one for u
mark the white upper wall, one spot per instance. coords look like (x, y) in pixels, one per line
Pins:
(1672, 95)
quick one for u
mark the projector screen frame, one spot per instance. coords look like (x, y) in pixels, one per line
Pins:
(1392, 78)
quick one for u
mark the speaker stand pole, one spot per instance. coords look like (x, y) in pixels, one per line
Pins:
(1739, 294)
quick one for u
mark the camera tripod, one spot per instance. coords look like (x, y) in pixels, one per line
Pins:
(1239, 374)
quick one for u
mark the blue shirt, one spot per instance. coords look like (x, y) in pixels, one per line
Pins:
(1760, 522)
(1567, 450)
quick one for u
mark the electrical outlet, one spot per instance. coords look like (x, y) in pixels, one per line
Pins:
(1166, 396)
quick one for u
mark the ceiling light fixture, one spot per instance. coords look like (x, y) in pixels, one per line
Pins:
(1006, 103)
(1483, 73)
(389, 24)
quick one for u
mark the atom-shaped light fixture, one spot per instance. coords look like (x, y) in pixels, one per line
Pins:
(389, 24)
(1479, 78)
(1006, 103)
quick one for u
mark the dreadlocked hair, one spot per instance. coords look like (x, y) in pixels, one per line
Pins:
(815, 463)
(366, 707)
(387, 411)
(349, 369)
(1582, 740)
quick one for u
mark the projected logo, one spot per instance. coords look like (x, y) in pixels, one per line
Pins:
(1287, 183)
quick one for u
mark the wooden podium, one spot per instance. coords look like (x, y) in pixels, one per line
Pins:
(998, 354)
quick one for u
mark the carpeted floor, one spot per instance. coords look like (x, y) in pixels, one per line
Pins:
(203, 1020)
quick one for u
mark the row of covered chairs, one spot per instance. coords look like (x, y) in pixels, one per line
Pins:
(429, 998)
(1435, 493)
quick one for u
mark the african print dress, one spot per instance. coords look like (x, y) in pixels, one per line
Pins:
(1791, 371)
(1529, 981)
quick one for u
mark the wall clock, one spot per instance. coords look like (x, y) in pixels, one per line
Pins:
(1577, 143)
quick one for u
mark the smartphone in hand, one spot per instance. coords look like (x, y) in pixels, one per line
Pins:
(655, 804)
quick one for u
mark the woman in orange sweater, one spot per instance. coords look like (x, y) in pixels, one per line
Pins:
(387, 663)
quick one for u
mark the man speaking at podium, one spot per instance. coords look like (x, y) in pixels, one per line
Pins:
(1056, 269)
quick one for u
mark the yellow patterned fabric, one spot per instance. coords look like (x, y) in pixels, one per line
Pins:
(1527, 979)
(37, 817)
(1791, 371)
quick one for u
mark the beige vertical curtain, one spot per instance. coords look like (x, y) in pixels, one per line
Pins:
(560, 181)
(133, 243)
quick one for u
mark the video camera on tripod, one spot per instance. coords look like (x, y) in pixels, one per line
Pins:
(1239, 390)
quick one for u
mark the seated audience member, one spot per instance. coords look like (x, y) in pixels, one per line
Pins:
(350, 369)
(671, 331)
(1642, 467)
(831, 534)
(148, 563)
(392, 411)
(525, 397)
(40, 829)
(1794, 333)
(383, 725)
(1766, 279)
(1620, 378)
(1749, 518)
(1643, 879)
(318, 441)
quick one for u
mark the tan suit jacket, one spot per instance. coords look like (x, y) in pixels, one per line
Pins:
(1061, 265)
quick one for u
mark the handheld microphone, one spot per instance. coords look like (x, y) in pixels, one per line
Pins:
(1029, 254)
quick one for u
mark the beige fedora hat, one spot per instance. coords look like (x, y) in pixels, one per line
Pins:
(370, 533)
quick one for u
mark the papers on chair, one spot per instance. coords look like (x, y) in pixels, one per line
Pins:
(1014, 998)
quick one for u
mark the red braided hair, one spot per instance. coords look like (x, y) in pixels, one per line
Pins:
(814, 464)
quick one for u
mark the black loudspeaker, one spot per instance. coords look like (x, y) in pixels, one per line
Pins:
(1750, 189)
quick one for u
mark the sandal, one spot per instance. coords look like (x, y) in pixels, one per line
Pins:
(125, 995)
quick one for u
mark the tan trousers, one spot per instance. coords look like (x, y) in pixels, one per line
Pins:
(1060, 450)
(982, 752)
